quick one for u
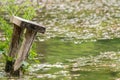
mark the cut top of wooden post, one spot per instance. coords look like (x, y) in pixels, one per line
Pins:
(27, 24)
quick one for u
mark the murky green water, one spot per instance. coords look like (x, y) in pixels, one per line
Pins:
(61, 60)
(56, 47)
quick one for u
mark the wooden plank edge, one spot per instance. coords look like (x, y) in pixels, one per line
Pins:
(27, 24)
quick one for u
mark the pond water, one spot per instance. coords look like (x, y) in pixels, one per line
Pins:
(64, 60)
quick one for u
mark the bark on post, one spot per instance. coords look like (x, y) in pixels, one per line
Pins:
(19, 50)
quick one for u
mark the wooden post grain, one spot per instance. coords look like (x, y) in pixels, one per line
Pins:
(15, 43)
(24, 50)
(14, 46)
(19, 49)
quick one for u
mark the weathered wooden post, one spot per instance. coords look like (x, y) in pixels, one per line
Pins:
(19, 49)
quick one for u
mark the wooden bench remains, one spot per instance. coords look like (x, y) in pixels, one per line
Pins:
(23, 35)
